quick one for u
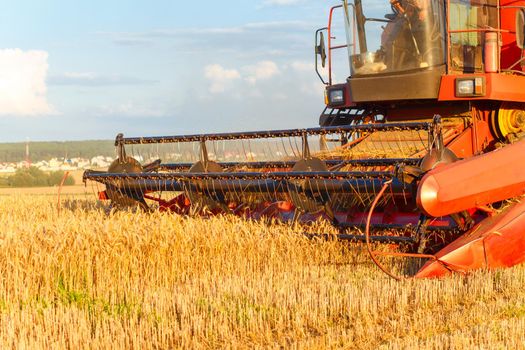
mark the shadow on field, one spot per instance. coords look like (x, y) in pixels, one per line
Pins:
(82, 204)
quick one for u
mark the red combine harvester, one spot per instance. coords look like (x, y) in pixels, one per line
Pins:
(420, 147)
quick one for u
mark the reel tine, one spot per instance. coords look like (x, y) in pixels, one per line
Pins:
(244, 149)
(251, 158)
(294, 147)
(285, 152)
(214, 146)
(366, 141)
(425, 144)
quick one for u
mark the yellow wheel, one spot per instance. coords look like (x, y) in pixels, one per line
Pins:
(509, 119)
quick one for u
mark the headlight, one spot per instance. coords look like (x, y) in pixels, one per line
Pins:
(466, 87)
(474, 86)
(337, 97)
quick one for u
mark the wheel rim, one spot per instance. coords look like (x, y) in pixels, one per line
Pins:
(510, 119)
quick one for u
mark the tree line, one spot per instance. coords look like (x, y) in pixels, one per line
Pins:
(15, 152)
(34, 177)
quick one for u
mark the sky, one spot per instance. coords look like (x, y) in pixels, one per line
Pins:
(72, 70)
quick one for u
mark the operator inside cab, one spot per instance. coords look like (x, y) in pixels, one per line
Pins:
(411, 39)
(413, 35)
(403, 42)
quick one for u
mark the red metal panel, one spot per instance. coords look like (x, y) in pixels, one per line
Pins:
(473, 182)
(496, 242)
(462, 146)
(510, 53)
(500, 87)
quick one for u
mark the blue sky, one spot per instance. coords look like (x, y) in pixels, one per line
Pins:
(90, 69)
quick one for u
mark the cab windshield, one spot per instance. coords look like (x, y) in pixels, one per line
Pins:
(385, 38)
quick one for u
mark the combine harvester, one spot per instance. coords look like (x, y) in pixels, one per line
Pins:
(421, 147)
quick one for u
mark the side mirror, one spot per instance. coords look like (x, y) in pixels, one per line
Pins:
(520, 28)
(321, 49)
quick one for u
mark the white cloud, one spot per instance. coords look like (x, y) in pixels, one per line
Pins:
(131, 110)
(281, 2)
(23, 83)
(96, 80)
(313, 88)
(220, 77)
(261, 71)
(254, 39)
(302, 66)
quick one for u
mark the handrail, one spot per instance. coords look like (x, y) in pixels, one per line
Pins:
(450, 32)
(456, 31)
(330, 22)
(330, 46)
(511, 68)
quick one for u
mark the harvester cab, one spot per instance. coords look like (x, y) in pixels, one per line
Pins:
(426, 144)
(411, 55)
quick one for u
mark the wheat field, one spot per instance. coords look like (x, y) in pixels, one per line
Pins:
(85, 278)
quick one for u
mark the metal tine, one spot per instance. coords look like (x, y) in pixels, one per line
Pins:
(244, 150)
(410, 145)
(249, 155)
(133, 151)
(327, 193)
(193, 149)
(334, 164)
(294, 150)
(371, 146)
(394, 142)
(175, 152)
(416, 142)
(214, 190)
(178, 148)
(235, 147)
(398, 142)
(273, 133)
(285, 151)
(181, 182)
(216, 150)
(319, 189)
(264, 150)
(375, 145)
(269, 152)
(290, 152)
(258, 149)
(386, 198)
(132, 191)
(425, 144)
(385, 142)
(396, 145)
(422, 143)
(305, 146)
(358, 197)
(214, 146)
(250, 151)
(222, 149)
(239, 196)
(368, 193)
(414, 145)
(279, 153)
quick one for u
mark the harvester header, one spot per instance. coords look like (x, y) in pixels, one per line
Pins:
(420, 146)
